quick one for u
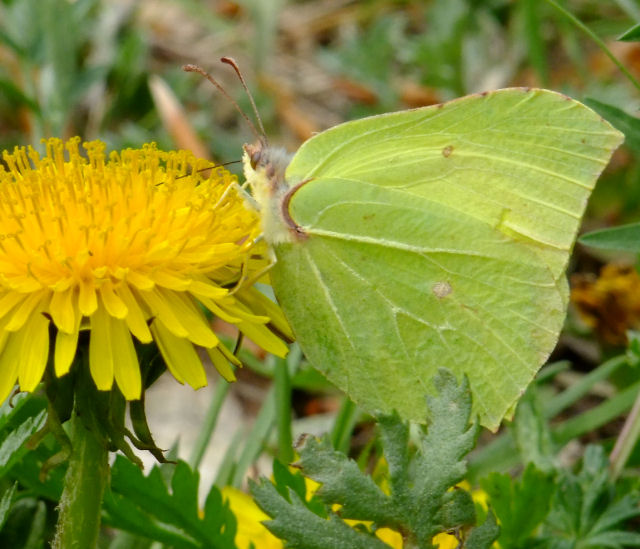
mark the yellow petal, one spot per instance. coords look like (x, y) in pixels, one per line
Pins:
(256, 301)
(168, 280)
(112, 302)
(23, 311)
(136, 320)
(163, 311)
(195, 323)
(88, 300)
(34, 352)
(101, 350)
(204, 287)
(126, 367)
(216, 310)
(263, 337)
(179, 355)
(229, 355)
(221, 364)
(63, 311)
(9, 300)
(9, 360)
(139, 280)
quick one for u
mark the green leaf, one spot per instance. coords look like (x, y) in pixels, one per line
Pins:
(420, 504)
(12, 448)
(522, 505)
(304, 529)
(586, 510)
(625, 238)
(484, 535)
(145, 506)
(454, 223)
(284, 480)
(5, 503)
(631, 35)
(531, 431)
(627, 124)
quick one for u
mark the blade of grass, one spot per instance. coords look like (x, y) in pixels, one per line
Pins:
(596, 39)
(572, 394)
(228, 465)
(344, 424)
(501, 454)
(282, 387)
(596, 417)
(256, 438)
(209, 424)
(535, 43)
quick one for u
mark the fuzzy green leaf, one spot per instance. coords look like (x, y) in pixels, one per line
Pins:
(420, 504)
(484, 535)
(304, 529)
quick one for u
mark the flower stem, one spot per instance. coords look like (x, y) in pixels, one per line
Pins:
(283, 410)
(79, 517)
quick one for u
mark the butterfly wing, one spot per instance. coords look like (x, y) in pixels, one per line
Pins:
(439, 237)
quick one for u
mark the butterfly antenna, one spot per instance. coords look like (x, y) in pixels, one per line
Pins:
(232, 62)
(202, 72)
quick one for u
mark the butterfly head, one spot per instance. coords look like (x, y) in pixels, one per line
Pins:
(266, 166)
(264, 170)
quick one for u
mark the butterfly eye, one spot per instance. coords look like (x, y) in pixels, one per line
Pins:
(255, 158)
(255, 155)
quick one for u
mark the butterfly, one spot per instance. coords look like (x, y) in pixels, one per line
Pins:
(432, 237)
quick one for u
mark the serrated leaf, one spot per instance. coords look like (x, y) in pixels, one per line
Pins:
(145, 506)
(5, 503)
(483, 536)
(18, 409)
(125, 515)
(421, 503)
(522, 505)
(305, 530)
(343, 483)
(531, 432)
(283, 480)
(625, 238)
(12, 448)
(586, 511)
(621, 510)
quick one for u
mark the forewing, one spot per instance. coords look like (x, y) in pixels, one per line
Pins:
(522, 160)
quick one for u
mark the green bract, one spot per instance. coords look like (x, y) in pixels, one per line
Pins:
(433, 237)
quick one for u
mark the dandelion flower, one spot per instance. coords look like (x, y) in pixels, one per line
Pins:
(136, 244)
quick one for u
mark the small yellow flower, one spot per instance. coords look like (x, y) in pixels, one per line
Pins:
(250, 518)
(136, 244)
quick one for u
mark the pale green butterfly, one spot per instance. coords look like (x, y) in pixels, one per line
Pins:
(433, 237)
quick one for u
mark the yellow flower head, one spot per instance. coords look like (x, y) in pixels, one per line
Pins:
(134, 244)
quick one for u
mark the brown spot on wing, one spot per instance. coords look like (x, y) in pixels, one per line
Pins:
(441, 289)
